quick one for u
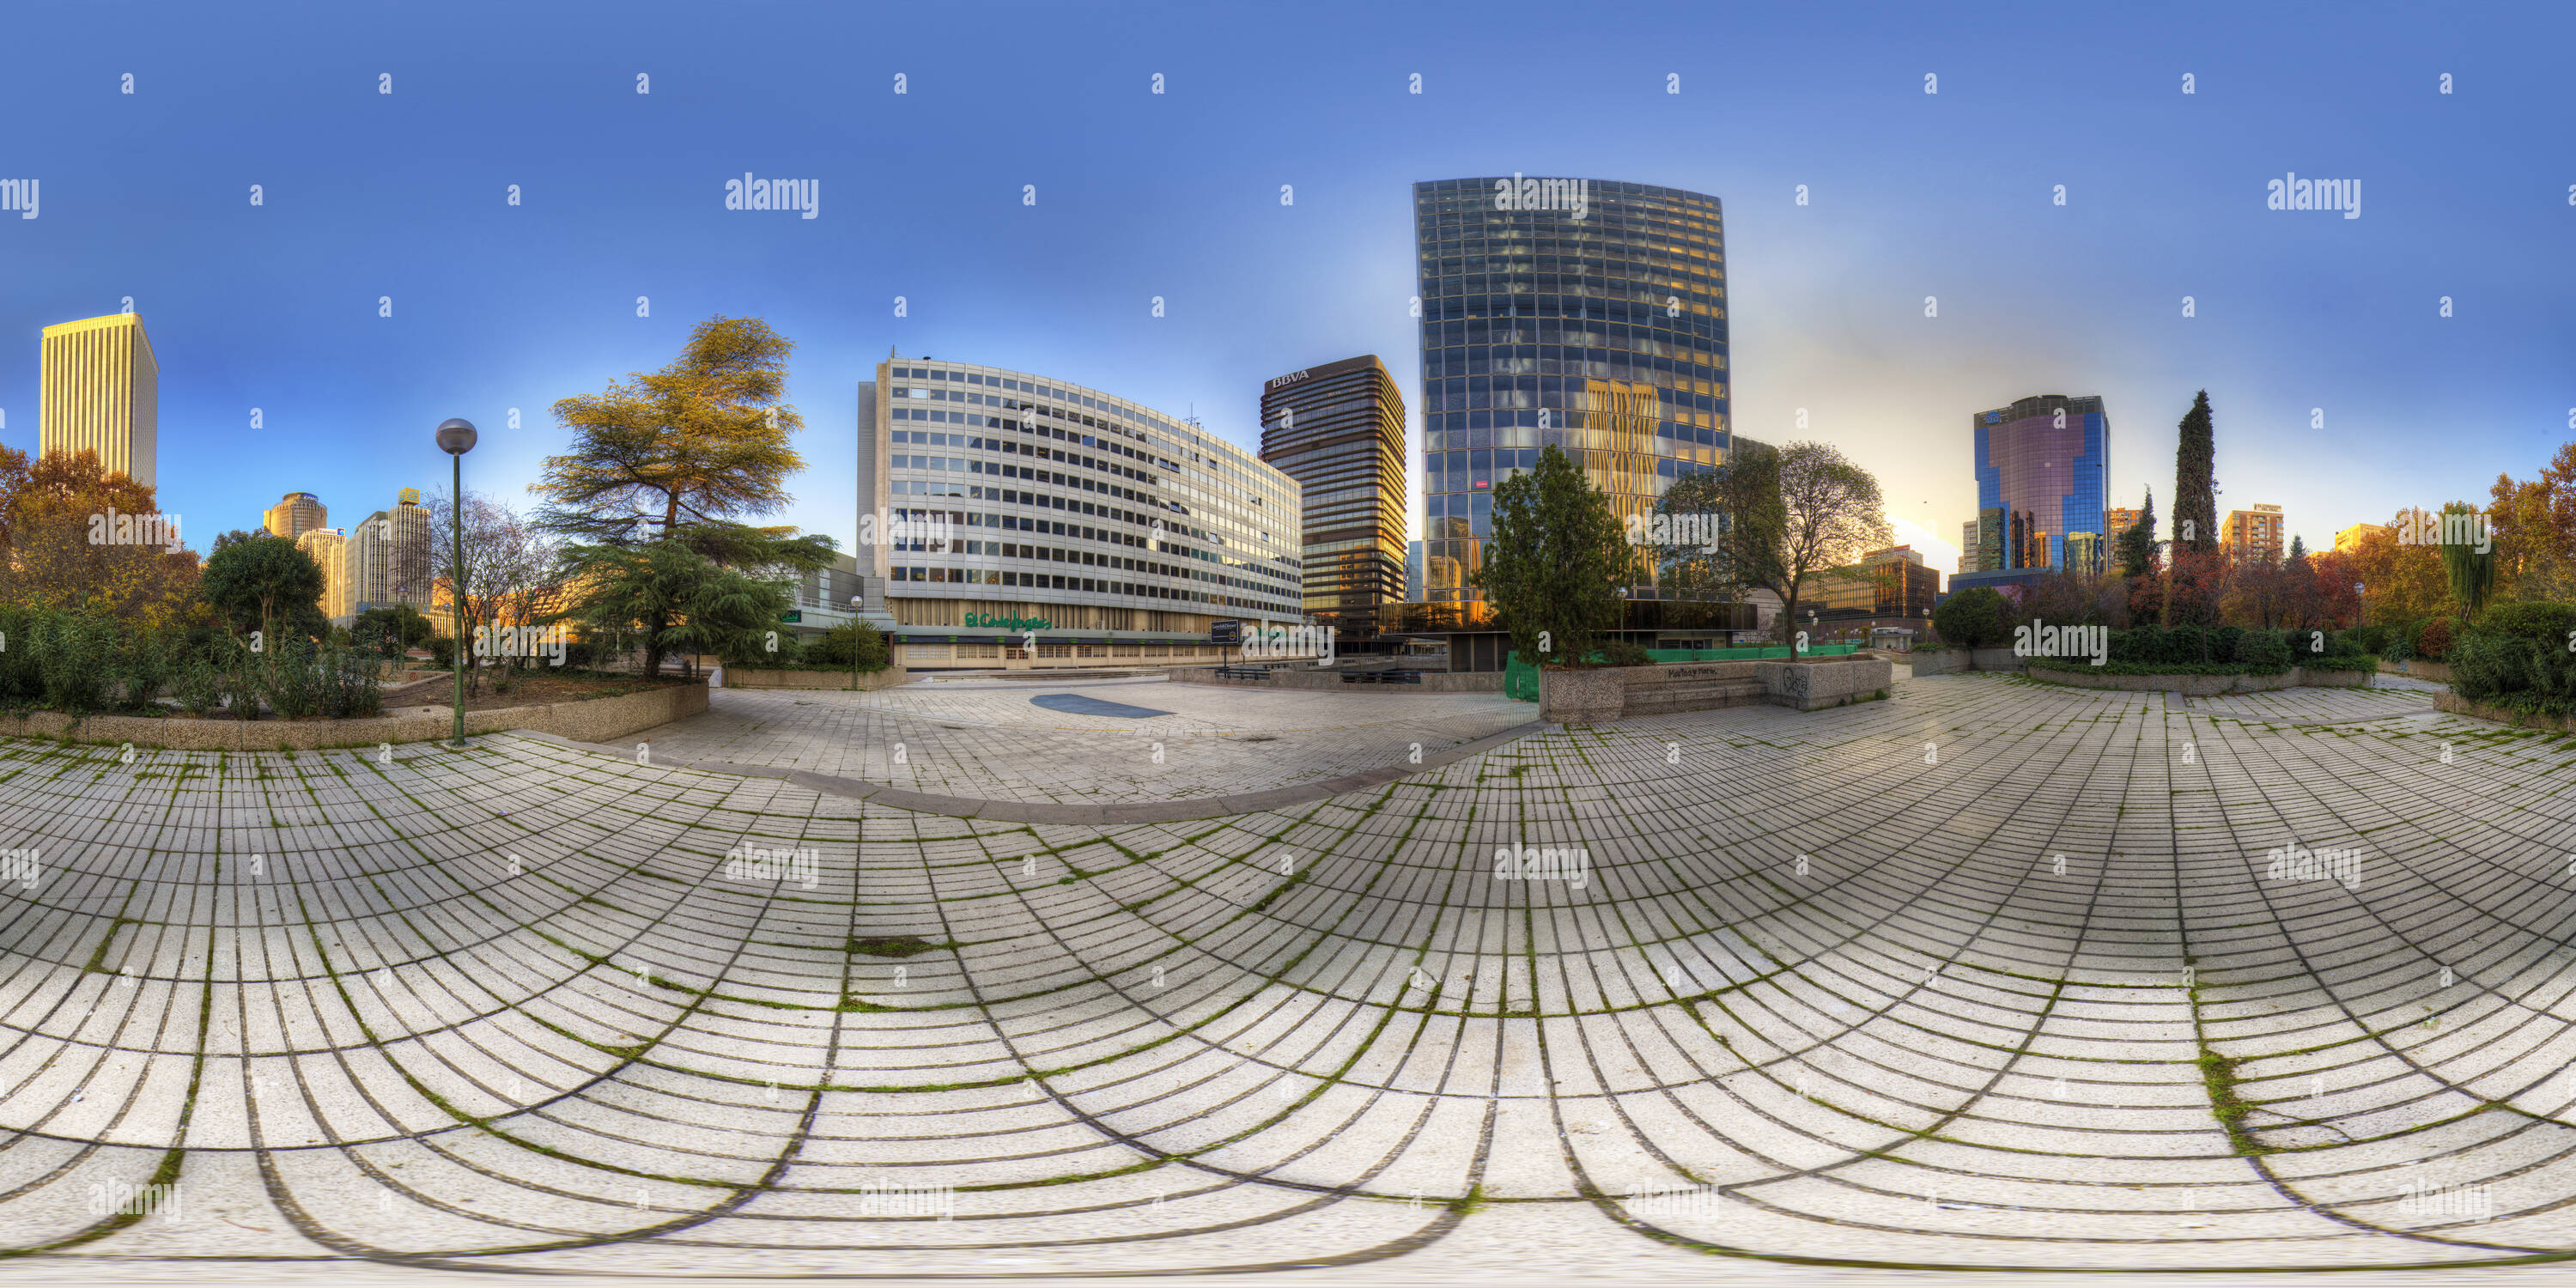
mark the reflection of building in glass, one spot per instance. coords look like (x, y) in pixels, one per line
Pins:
(1885, 585)
(2042, 464)
(1338, 430)
(1413, 572)
(1584, 315)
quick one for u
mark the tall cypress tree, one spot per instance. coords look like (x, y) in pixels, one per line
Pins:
(2195, 484)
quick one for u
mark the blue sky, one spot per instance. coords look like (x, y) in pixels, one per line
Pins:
(1949, 195)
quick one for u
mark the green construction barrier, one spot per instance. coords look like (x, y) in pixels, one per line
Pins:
(1520, 679)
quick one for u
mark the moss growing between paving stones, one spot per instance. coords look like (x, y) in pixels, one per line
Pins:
(895, 946)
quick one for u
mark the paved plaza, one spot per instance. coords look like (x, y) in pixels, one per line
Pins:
(1991, 974)
(1027, 741)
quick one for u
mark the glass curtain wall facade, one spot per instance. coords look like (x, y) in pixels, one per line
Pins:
(2043, 465)
(1338, 430)
(1067, 513)
(1581, 314)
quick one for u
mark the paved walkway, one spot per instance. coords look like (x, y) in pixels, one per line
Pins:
(993, 740)
(1992, 974)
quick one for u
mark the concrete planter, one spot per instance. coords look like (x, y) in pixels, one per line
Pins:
(2000, 659)
(1825, 682)
(2421, 669)
(754, 678)
(2457, 705)
(1593, 695)
(597, 720)
(2203, 686)
(1308, 677)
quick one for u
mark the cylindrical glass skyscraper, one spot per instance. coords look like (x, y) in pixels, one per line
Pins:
(1574, 313)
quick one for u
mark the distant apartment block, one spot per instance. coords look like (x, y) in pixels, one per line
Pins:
(2351, 538)
(329, 548)
(101, 393)
(2253, 534)
(294, 515)
(388, 556)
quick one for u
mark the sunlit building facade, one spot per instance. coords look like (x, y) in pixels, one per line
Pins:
(101, 392)
(294, 515)
(1012, 510)
(1338, 429)
(1580, 314)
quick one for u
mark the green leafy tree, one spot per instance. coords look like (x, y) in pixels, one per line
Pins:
(686, 455)
(2470, 570)
(1972, 618)
(668, 598)
(257, 581)
(2138, 546)
(2298, 547)
(1795, 513)
(1555, 562)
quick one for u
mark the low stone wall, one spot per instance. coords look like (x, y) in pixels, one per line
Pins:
(1598, 695)
(1825, 682)
(1307, 677)
(755, 678)
(597, 720)
(2452, 702)
(2421, 669)
(1941, 661)
(2000, 659)
(2204, 686)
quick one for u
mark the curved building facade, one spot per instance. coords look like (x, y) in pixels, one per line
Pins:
(1575, 313)
(1006, 505)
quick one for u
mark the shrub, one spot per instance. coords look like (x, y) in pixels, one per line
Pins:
(198, 686)
(442, 652)
(2514, 672)
(75, 656)
(2433, 640)
(2189, 645)
(2223, 643)
(2138, 644)
(2550, 625)
(2400, 644)
(1972, 618)
(2263, 652)
(833, 647)
(2367, 639)
(1621, 652)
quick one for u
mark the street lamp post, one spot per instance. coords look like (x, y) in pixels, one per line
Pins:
(456, 438)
